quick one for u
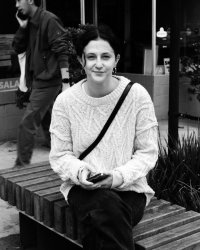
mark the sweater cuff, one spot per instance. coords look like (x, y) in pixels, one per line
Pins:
(117, 179)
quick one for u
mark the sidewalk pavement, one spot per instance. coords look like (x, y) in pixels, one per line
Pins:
(9, 221)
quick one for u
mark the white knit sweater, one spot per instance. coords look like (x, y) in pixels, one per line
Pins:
(129, 145)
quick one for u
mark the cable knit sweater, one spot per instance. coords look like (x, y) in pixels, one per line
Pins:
(129, 145)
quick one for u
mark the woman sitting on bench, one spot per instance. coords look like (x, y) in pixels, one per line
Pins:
(108, 208)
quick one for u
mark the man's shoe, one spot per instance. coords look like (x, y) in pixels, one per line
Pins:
(17, 167)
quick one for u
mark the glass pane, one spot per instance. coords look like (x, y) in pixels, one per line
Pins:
(9, 66)
(163, 44)
(132, 24)
(189, 27)
(68, 11)
(89, 11)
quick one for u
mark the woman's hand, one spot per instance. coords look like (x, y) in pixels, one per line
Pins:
(85, 173)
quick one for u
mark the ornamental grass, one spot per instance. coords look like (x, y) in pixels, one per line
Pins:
(176, 176)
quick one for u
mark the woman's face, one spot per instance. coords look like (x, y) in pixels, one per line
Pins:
(99, 61)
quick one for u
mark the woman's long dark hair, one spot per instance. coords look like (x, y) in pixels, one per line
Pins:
(93, 33)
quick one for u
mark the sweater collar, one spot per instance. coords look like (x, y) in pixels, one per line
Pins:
(80, 94)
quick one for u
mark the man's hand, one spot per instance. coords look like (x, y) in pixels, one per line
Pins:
(22, 23)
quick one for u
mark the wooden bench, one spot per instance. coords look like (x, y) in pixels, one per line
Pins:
(48, 222)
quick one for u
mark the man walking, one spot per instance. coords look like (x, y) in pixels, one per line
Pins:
(40, 36)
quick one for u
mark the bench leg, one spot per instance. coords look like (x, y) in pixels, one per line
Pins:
(28, 231)
(49, 240)
(33, 234)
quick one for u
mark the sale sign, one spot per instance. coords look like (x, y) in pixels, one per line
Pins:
(9, 84)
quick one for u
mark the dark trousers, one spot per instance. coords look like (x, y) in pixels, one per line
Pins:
(107, 216)
(38, 112)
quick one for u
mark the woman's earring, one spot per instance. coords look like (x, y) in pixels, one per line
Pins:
(82, 71)
(114, 70)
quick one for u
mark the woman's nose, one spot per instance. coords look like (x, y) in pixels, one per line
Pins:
(99, 63)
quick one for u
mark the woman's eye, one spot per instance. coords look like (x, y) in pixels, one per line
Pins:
(106, 57)
(90, 57)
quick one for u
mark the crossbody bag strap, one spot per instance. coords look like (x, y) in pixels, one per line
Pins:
(109, 121)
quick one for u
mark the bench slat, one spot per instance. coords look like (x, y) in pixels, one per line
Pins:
(48, 203)
(71, 224)
(38, 201)
(160, 214)
(59, 216)
(156, 204)
(14, 174)
(142, 231)
(11, 184)
(20, 188)
(168, 236)
(29, 195)
(30, 176)
(191, 242)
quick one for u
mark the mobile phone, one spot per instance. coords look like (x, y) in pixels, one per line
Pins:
(21, 15)
(98, 177)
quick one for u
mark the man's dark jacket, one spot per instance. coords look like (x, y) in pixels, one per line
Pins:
(50, 52)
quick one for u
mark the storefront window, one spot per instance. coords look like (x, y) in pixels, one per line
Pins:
(132, 24)
(68, 11)
(9, 66)
(189, 28)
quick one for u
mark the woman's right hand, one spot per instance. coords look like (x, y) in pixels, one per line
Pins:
(83, 174)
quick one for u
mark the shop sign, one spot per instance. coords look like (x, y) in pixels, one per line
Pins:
(9, 84)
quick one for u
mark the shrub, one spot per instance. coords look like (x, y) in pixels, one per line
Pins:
(176, 177)
(71, 36)
(191, 69)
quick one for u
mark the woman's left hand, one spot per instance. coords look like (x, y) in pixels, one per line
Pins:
(106, 183)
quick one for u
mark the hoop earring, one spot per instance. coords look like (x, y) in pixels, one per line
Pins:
(82, 71)
(114, 70)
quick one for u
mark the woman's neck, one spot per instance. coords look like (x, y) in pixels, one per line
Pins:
(100, 89)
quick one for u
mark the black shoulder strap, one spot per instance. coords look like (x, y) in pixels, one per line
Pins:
(109, 121)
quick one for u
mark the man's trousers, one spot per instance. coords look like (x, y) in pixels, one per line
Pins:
(38, 112)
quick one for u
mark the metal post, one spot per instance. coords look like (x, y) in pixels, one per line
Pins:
(153, 37)
(82, 11)
(44, 6)
(174, 72)
(95, 15)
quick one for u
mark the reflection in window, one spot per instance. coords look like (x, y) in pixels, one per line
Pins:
(189, 30)
(9, 66)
